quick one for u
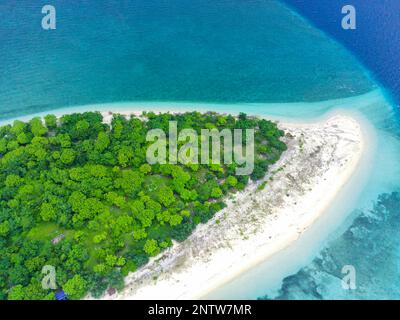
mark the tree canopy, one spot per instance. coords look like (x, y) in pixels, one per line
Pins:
(88, 185)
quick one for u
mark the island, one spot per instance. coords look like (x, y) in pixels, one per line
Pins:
(261, 220)
(78, 196)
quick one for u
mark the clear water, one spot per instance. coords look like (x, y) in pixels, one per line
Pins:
(311, 267)
(166, 50)
(376, 40)
(253, 56)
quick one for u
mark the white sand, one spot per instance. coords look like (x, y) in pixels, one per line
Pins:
(320, 159)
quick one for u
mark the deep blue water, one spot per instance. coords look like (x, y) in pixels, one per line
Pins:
(230, 51)
(375, 41)
(371, 242)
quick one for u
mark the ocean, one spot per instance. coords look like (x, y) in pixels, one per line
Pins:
(375, 42)
(258, 56)
(161, 50)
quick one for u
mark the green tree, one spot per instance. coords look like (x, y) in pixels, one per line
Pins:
(102, 142)
(17, 293)
(151, 247)
(37, 127)
(47, 212)
(18, 127)
(23, 138)
(166, 196)
(4, 228)
(231, 181)
(50, 121)
(67, 156)
(145, 168)
(13, 180)
(216, 193)
(75, 287)
(175, 219)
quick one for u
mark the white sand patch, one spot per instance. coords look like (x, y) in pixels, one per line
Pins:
(320, 159)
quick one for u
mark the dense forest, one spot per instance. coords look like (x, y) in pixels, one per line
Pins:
(78, 194)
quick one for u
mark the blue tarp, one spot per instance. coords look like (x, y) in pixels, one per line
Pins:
(60, 295)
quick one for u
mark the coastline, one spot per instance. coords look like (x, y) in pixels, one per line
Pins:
(199, 286)
(321, 158)
(298, 112)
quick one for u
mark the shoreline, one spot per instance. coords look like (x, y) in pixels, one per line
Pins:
(205, 286)
(212, 257)
(299, 112)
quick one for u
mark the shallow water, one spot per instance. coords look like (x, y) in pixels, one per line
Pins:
(378, 174)
(237, 56)
(163, 50)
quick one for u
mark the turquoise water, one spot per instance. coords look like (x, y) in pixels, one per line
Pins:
(311, 267)
(252, 56)
(163, 50)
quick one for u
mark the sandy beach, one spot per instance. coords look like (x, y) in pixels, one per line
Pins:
(257, 222)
